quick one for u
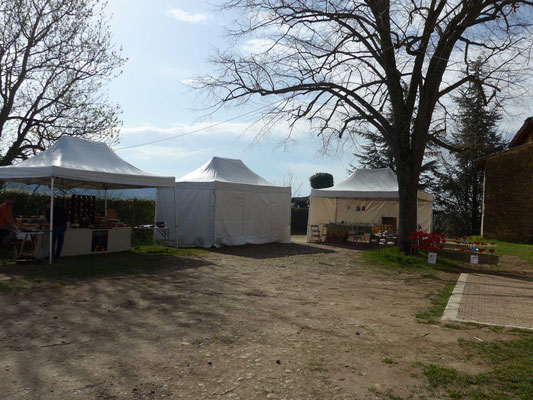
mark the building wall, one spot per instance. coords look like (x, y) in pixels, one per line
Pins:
(508, 198)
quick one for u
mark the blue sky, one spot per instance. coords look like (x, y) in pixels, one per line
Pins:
(168, 42)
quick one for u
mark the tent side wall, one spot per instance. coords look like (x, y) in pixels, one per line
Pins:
(324, 210)
(251, 214)
(195, 208)
(226, 214)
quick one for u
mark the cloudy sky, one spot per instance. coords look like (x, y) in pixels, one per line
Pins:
(167, 43)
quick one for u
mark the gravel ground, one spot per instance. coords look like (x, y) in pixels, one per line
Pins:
(280, 321)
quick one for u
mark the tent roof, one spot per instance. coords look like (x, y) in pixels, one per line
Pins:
(227, 170)
(380, 183)
(80, 163)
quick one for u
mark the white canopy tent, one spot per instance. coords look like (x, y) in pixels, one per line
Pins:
(224, 203)
(78, 163)
(367, 196)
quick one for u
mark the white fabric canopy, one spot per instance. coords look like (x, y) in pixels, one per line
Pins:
(220, 169)
(80, 163)
(367, 196)
(379, 183)
(224, 203)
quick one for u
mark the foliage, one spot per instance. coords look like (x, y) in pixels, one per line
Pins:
(156, 250)
(391, 258)
(299, 218)
(300, 202)
(321, 180)
(460, 186)
(438, 304)
(520, 250)
(131, 211)
(376, 153)
(55, 59)
(510, 375)
(339, 64)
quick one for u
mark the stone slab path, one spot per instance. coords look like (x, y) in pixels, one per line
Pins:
(491, 300)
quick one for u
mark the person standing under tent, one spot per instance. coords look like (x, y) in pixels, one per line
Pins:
(7, 221)
(60, 226)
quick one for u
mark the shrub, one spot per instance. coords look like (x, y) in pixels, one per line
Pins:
(321, 180)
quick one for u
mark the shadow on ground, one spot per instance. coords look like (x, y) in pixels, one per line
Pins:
(104, 265)
(271, 250)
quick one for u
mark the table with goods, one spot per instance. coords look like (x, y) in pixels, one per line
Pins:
(462, 248)
(360, 233)
(87, 231)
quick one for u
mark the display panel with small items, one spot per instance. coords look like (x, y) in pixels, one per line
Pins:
(80, 211)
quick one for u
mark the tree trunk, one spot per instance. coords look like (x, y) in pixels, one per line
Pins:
(408, 207)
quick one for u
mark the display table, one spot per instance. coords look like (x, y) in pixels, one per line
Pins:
(89, 241)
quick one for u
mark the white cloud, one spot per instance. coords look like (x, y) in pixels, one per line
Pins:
(199, 128)
(184, 16)
(257, 46)
(256, 131)
(154, 152)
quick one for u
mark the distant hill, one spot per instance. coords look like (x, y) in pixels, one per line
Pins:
(116, 194)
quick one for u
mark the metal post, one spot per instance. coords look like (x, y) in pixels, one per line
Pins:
(105, 202)
(175, 216)
(51, 246)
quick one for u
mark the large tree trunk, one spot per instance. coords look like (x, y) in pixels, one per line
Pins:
(408, 207)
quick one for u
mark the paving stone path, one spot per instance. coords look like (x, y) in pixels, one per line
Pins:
(491, 300)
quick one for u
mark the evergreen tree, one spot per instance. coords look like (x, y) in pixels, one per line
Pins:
(460, 185)
(377, 154)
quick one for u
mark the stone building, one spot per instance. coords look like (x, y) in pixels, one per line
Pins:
(508, 189)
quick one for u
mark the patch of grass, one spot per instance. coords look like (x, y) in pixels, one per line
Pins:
(438, 304)
(456, 326)
(510, 375)
(392, 258)
(496, 329)
(390, 361)
(520, 250)
(6, 286)
(155, 250)
(389, 394)
(430, 276)
(520, 331)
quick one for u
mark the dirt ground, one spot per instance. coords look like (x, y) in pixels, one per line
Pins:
(280, 321)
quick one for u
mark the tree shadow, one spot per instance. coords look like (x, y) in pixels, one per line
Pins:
(271, 250)
(101, 266)
(126, 328)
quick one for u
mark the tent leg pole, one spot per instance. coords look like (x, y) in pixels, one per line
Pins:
(176, 217)
(105, 202)
(51, 244)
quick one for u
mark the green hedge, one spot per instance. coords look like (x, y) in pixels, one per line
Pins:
(130, 211)
(299, 221)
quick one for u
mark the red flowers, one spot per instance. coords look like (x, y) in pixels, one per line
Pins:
(437, 241)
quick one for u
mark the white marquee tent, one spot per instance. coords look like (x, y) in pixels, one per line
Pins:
(224, 203)
(367, 196)
(79, 163)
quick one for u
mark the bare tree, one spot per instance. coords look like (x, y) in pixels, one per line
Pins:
(55, 58)
(289, 180)
(344, 64)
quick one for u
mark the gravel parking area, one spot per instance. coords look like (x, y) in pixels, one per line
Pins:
(285, 321)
